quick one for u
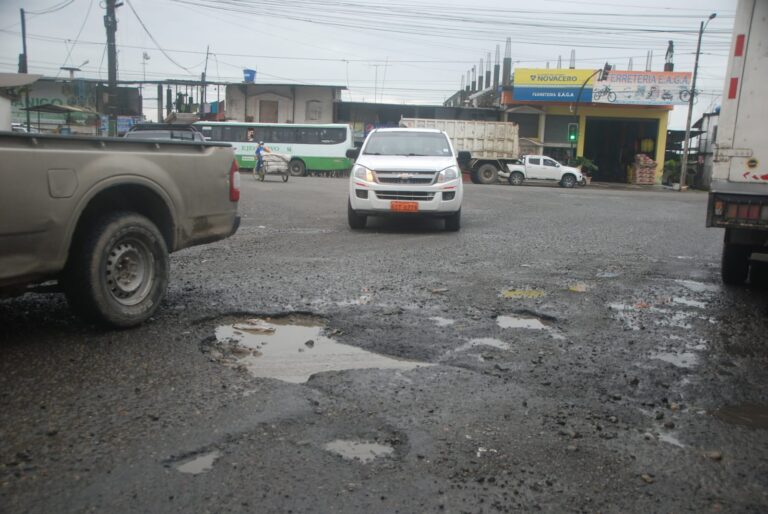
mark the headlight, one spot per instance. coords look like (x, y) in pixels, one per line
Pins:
(448, 174)
(363, 173)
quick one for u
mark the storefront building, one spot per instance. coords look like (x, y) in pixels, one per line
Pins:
(620, 121)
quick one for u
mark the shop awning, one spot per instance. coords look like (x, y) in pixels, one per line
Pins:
(9, 80)
(61, 109)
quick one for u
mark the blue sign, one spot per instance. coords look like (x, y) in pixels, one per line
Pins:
(249, 75)
(551, 94)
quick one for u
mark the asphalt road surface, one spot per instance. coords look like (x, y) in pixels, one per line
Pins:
(566, 351)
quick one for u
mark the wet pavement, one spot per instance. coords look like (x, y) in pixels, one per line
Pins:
(566, 351)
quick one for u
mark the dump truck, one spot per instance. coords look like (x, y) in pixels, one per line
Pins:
(738, 199)
(491, 144)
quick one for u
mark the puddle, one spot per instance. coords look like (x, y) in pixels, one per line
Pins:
(442, 322)
(747, 415)
(200, 464)
(670, 439)
(482, 341)
(608, 274)
(681, 360)
(698, 287)
(359, 450)
(689, 303)
(296, 350)
(518, 322)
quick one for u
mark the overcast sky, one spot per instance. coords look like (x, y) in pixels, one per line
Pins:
(392, 51)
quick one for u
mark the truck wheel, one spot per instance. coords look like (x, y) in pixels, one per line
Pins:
(568, 180)
(117, 271)
(487, 174)
(453, 222)
(297, 168)
(356, 221)
(735, 263)
(516, 178)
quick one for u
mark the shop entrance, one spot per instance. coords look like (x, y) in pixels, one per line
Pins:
(613, 143)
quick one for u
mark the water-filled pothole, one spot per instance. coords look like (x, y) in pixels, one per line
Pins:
(747, 415)
(293, 348)
(200, 464)
(681, 359)
(520, 322)
(364, 451)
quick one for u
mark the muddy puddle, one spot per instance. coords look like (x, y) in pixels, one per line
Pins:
(363, 451)
(442, 322)
(520, 322)
(681, 360)
(293, 348)
(200, 464)
(748, 415)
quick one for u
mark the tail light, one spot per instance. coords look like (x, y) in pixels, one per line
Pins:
(234, 182)
(752, 211)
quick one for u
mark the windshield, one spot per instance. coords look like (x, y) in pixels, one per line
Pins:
(408, 143)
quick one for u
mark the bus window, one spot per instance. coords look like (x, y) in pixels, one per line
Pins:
(332, 135)
(309, 136)
(258, 134)
(207, 131)
(234, 134)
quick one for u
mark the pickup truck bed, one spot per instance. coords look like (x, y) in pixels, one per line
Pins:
(100, 215)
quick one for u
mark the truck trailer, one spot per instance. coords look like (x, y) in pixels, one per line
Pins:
(492, 144)
(738, 200)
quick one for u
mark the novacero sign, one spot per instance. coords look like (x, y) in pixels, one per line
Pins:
(546, 85)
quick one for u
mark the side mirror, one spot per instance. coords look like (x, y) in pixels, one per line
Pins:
(464, 156)
(353, 153)
(558, 164)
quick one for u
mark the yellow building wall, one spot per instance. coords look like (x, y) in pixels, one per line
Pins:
(662, 115)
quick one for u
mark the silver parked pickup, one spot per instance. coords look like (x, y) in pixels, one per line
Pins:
(100, 216)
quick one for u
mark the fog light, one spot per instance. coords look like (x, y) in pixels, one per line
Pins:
(449, 195)
(361, 193)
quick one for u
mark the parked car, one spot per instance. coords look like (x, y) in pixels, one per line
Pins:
(541, 167)
(165, 131)
(405, 172)
(100, 216)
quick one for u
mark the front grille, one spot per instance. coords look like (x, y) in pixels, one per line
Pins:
(424, 196)
(402, 177)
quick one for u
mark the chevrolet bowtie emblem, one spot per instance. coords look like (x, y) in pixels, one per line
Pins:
(404, 176)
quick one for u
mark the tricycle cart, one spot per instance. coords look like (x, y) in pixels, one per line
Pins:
(273, 164)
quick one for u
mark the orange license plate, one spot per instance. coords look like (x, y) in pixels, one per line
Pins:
(404, 206)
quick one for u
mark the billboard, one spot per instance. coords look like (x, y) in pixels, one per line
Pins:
(545, 85)
(620, 87)
(643, 88)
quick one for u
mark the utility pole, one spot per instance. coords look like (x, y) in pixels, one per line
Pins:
(202, 87)
(110, 23)
(23, 64)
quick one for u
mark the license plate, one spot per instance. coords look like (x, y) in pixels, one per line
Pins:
(404, 206)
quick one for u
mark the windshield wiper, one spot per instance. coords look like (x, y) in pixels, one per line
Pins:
(413, 154)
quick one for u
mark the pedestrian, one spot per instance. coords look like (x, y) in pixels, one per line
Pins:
(260, 150)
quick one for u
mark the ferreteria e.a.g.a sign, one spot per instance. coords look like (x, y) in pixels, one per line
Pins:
(643, 88)
(545, 85)
(620, 87)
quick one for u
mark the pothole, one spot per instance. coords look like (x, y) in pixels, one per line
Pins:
(293, 348)
(698, 287)
(520, 322)
(681, 360)
(746, 415)
(442, 322)
(363, 451)
(200, 464)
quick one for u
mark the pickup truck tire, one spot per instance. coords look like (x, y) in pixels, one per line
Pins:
(487, 174)
(297, 168)
(473, 177)
(568, 180)
(117, 273)
(453, 222)
(516, 178)
(356, 221)
(735, 263)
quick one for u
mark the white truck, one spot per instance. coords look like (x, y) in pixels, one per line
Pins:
(491, 144)
(738, 201)
(541, 167)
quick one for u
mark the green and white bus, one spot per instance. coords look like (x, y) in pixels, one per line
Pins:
(311, 147)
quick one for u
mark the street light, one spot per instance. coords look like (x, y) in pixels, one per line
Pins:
(686, 148)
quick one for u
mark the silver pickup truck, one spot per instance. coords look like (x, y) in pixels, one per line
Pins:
(101, 215)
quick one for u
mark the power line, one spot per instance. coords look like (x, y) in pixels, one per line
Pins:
(82, 26)
(153, 38)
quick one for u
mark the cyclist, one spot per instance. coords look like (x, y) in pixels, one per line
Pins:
(260, 150)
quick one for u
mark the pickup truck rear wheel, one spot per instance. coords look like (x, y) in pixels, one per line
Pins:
(568, 180)
(516, 178)
(453, 222)
(487, 174)
(118, 270)
(735, 263)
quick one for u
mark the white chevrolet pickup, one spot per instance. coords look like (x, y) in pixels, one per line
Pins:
(541, 167)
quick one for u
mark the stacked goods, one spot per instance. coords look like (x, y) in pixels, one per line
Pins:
(643, 170)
